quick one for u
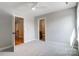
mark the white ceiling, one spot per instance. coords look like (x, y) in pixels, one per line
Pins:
(42, 7)
(10, 5)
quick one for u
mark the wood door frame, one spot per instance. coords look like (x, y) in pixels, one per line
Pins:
(45, 27)
(23, 28)
(13, 31)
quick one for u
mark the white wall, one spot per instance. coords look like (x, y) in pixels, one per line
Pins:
(29, 34)
(59, 26)
(5, 29)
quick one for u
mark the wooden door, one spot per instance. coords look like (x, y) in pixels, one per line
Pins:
(19, 30)
(42, 29)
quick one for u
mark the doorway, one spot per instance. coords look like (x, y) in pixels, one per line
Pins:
(19, 30)
(42, 29)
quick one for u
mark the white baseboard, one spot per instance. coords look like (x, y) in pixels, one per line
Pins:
(3, 48)
(29, 41)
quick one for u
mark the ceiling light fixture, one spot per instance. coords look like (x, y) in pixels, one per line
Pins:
(33, 8)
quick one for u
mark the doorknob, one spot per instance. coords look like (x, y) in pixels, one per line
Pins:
(13, 32)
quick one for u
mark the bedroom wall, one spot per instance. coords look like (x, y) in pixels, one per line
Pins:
(59, 26)
(5, 29)
(29, 34)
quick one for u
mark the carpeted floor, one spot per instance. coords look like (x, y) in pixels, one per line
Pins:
(39, 48)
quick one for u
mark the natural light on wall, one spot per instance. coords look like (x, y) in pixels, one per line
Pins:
(78, 22)
(72, 37)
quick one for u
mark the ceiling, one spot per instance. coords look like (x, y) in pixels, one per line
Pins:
(41, 7)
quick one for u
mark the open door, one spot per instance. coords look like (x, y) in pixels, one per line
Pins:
(19, 30)
(42, 29)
